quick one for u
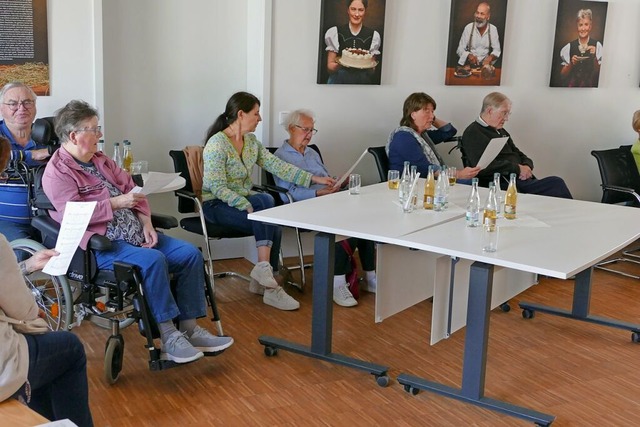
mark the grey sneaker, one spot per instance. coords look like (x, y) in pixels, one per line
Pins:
(206, 342)
(343, 297)
(255, 288)
(279, 299)
(179, 349)
(263, 274)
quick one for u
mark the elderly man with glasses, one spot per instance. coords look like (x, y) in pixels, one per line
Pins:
(18, 109)
(496, 109)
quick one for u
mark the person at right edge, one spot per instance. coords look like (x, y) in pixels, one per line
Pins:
(496, 109)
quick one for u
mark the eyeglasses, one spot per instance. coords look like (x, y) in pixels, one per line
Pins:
(504, 113)
(307, 130)
(15, 105)
(95, 130)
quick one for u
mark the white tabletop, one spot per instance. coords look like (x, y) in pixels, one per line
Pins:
(562, 238)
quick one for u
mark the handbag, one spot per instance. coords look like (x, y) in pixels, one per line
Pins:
(31, 327)
(352, 276)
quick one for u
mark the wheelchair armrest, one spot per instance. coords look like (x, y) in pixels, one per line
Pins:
(274, 188)
(50, 228)
(622, 190)
(186, 194)
(165, 222)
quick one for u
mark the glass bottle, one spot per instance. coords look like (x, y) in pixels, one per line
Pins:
(499, 199)
(117, 154)
(101, 146)
(440, 199)
(429, 190)
(489, 214)
(473, 205)
(414, 196)
(127, 157)
(511, 198)
(405, 183)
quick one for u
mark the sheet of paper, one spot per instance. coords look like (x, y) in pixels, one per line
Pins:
(492, 150)
(74, 224)
(154, 182)
(347, 173)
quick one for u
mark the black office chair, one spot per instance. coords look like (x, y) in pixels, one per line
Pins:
(382, 161)
(271, 185)
(189, 203)
(620, 185)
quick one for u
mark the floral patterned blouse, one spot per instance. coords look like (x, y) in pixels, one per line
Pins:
(227, 176)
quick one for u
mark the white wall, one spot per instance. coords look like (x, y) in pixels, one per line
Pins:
(556, 127)
(71, 54)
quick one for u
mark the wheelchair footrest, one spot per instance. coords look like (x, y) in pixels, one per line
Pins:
(213, 353)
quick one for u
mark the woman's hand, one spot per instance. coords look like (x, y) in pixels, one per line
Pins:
(250, 209)
(327, 190)
(39, 259)
(467, 173)
(150, 235)
(126, 201)
(326, 180)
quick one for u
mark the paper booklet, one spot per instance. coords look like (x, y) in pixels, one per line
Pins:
(493, 149)
(347, 173)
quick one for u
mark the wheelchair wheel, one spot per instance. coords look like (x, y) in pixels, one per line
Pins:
(52, 293)
(113, 355)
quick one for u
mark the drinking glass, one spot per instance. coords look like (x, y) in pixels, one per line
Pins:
(489, 238)
(451, 173)
(138, 168)
(393, 179)
(354, 183)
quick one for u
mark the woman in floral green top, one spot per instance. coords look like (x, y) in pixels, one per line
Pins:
(230, 153)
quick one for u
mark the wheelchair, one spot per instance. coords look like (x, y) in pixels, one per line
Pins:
(112, 299)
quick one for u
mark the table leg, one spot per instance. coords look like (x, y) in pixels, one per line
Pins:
(322, 317)
(580, 307)
(475, 355)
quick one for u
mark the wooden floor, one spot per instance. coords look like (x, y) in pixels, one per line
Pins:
(584, 374)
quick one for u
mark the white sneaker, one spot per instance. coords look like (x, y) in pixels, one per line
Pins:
(255, 288)
(371, 286)
(263, 274)
(202, 340)
(279, 299)
(179, 349)
(343, 297)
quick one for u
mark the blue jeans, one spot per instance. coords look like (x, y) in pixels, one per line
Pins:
(220, 213)
(170, 256)
(58, 377)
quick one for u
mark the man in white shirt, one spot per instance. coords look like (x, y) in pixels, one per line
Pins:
(479, 44)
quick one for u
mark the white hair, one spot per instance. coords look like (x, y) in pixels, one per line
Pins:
(293, 118)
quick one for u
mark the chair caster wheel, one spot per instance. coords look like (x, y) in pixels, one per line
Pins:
(270, 351)
(411, 389)
(382, 380)
(505, 307)
(528, 314)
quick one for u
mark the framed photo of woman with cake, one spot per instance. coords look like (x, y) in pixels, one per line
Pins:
(476, 37)
(350, 49)
(578, 45)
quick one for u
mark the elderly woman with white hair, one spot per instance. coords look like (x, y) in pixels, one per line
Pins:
(300, 124)
(581, 58)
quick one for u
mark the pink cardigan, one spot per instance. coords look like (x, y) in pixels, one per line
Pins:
(65, 181)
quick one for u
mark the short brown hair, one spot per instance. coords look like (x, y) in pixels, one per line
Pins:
(414, 102)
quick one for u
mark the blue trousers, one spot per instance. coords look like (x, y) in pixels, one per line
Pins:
(58, 377)
(553, 186)
(220, 213)
(170, 256)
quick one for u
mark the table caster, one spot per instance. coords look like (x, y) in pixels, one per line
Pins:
(270, 351)
(382, 380)
(635, 336)
(528, 314)
(505, 307)
(411, 389)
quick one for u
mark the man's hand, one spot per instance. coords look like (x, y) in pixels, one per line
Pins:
(472, 59)
(467, 173)
(525, 172)
(40, 154)
(325, 180)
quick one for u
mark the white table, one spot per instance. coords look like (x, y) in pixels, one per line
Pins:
(574, 235)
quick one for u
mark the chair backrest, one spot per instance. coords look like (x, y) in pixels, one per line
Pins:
(270, 180)
(180, 166)
(617, 168)
(382, 161)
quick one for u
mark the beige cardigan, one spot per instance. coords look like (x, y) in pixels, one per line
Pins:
(17, 302)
